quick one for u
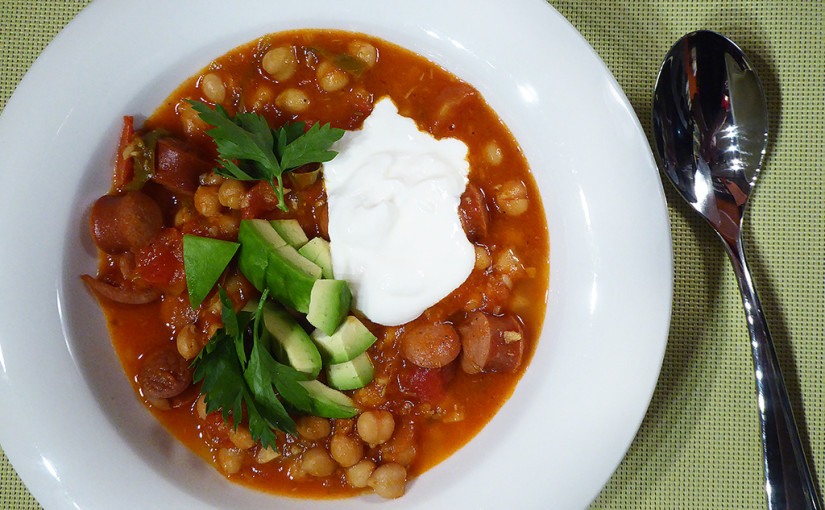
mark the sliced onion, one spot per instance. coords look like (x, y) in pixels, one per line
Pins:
(119, 294)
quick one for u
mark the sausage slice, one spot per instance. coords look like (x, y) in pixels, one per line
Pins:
(178, 165)
(473, 213)
(125, 222)
(164, 374)
(490, 343)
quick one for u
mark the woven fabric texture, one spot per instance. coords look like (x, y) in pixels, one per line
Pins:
(698, 445)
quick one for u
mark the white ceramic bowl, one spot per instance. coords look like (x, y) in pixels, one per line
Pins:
(71, 425)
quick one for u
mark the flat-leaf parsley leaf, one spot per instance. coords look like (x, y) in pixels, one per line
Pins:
(250, 150)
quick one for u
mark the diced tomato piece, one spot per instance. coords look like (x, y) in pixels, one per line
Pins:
(426, 384)
(160, 263)
(216, 430)
(262, 199)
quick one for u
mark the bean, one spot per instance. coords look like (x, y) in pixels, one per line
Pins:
(188, 342)
(230, 460)
(358, 475)
(213, 88)
(207, 202)
(331, 78)
(375, 427)
(363, 51)
(492, 153)
(508, 262)
(231, 193)
(292, 101)
(346, 450)
(317, 462)
(280, 62)
(389, 480)
(313, 427)
(267, 454)
(511, 198)
(483, 260)
(241, 437)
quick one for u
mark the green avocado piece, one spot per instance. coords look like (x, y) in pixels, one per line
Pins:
(317, 250)
(291, 344)
(350, 375)
(329, 303)
(327, 402)
(257, 239)
(269, 262)
(349, 340)
(290, 231)
(204, 260)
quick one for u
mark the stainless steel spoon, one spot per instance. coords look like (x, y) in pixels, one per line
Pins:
(710, 122)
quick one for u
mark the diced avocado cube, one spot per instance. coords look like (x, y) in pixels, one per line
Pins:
(269, 262)
(327, 402)
(290, 231)
(329, 303)
(291, 344)
(317, 250)
(349, 340)
(350, 375)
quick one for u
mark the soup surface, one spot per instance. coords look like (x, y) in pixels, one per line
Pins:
(437, 380)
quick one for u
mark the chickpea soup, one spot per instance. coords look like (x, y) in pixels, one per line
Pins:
(222, 283)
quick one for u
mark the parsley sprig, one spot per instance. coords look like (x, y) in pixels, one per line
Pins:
(263, 153)
(240, 375)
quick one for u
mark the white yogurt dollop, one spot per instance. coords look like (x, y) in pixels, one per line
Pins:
(394, 229)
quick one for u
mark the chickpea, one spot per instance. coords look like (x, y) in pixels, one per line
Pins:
(280, 62)
(206, 201)
(213, 88)
(483, 260)
(363, 51)
(232, 193)
(189, 119)
(375, 427)
(259, 99)
(200, 407)
(292, 101)
(186, 211)
(492, 153)
(512, 199)
(188, 342)
(226, 225)
(241, 437)
(359, 474)
(313, 427)
(230, 460)
(330, 78)
(210, 179)
(267, 454)
(317, 462)
(346, 450)
(508, 262)
(389, 480)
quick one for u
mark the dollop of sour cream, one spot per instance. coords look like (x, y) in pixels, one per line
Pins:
(395, 233)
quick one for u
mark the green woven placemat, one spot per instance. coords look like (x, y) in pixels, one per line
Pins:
(698, 445)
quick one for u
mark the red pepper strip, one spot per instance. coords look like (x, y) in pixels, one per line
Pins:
(124, 166)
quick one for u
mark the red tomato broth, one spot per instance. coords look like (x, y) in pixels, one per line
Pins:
(444, 407)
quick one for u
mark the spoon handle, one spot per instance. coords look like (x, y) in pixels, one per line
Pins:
(788, 479)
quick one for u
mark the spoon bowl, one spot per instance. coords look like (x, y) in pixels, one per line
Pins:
(710, 123)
